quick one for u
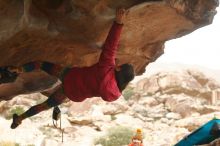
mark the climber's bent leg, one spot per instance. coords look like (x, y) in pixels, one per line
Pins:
(54, 100)
(9, 74)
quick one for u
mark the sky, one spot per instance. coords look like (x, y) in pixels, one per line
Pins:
(202, 47)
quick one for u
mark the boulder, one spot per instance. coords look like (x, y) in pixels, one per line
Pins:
(83, 108)
(193, 122)
(186, 105)
(174, 116)
(190, 82)
(71, 33)
(116, 107)
(148, 101)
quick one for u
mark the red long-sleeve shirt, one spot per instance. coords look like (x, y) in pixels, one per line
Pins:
(99, 79)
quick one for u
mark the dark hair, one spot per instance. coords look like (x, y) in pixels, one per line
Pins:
(124, 76)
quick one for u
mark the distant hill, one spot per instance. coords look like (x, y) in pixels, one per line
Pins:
(160, 67)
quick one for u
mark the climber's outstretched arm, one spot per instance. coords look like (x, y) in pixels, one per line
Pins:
(54, 100)
(109, 48)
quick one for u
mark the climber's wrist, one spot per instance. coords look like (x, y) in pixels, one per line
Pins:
(118, 22)
(120, 15)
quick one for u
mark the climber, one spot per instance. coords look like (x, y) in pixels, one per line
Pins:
(137, 139)
(103, 79)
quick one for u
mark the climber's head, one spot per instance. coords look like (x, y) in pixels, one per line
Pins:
(124, 74)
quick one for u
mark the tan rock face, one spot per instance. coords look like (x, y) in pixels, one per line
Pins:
(187, 106)
(72, 32)
(69, 32)
(190, 82)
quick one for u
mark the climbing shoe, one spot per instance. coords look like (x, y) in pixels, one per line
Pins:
(16, 121)
(6, 76)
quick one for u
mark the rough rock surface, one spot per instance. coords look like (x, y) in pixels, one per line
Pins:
(189, 82)
(72, 32)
